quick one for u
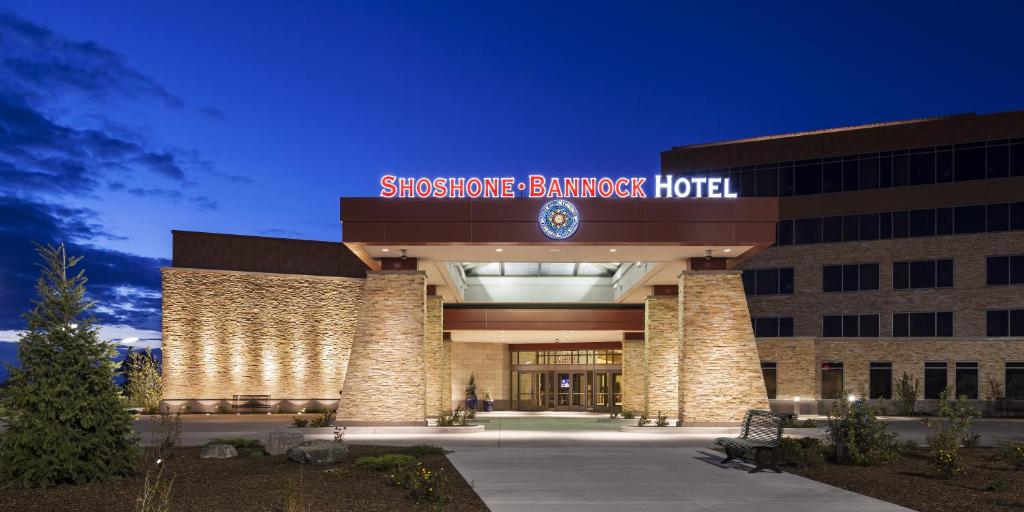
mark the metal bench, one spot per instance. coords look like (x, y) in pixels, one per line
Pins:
(759, 437)
(250, 402)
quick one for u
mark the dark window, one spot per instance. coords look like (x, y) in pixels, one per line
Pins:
(832, 278)
(1015, 380)
(967, 380)
(767, 282)
(869, 276)
(767, 182)
(922, 325)
(944, 324)
(901, 275)
(786, 326)
(869, 226)
(922, 274)
(851, 228)
(969, 219)
(944, 221)
(748, 184)
(900, 224)
(884, 171)
(748, 282)
(1017, 216)
(786, 281)
(849, 326)
(869, 173)
(851, 278)
(832, 326)
(922, 222)
(922, 169)
(786, 187)
(885, 225)
(808, 231)
(1017, 160)
(997, 270)
(944, 274)
(832, 177)
(869, 326)
(832, 229)
(1004, 322)
(768, 371)
(851, 175)
(900, 171)
(880, 381)
(808, 179)
(969, 164)
(901, 325)
(785, 232)
(772, 326)
(944, 166)
(1016, 269)
(934, 380)
(831, 380)
(997, 162)
(997, 217)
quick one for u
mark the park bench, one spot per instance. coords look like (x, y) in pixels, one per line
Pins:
(758, 439)
(253, 402)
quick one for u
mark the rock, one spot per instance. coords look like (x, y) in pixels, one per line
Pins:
(218, 451)
(280, 441)
(318, 452)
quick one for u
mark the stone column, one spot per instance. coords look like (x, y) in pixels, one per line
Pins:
(446, 376)
(661, 354)
(634, 384)
(386, 371)
(719, 369)
(434, 354)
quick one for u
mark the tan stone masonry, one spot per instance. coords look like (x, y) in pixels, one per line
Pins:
(719, 370)
(386, 372)
(633, 377)
(435, 361)
(661, 355)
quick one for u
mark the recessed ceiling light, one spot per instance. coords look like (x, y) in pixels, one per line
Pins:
(554, 250)
(499, 249)
(726, 250)
(612, 250)
(385, 249)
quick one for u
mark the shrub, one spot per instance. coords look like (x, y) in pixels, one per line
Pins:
(423, 450)
(662, 420)
(1014, 454)
(792, 422)
(300, 422)
(947, 436)
(642, 421)
(858, 436)
(908, 446)
(421, 483)
(67, 422)
(627, 415)
(143, 384)
(156, 493)
(948, 463)
(325, 419)
(165, 433)
(458, 418)
(907, 391)
(613, 414)
(389, 462)
(239, 443)
(804, 452)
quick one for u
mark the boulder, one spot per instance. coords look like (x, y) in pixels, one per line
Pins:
(280, 441)
(318, 452)
(218, 451)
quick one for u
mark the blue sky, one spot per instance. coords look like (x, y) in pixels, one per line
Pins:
(124, 120)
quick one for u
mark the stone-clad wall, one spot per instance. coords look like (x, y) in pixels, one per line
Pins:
(633, 375)
(227, 333)
(435, 361)
(796, 372)
(386, 371)
(661, 354)
(490, 365)
(720, 373)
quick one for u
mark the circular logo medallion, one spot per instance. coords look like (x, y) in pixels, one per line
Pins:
(558, 219)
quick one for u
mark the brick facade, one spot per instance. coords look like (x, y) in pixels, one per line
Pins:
(386, 372)
(719, 370)
(228, 333)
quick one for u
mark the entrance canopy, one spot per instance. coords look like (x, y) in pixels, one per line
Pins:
(497, 250)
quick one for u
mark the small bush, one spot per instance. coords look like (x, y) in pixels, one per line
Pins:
(613, 414)
(423, 450)
(421, 483)
(804, 452)
(907, 390)
(792, 422)
(948, 463)
(858, 436)
(662, 420)
(239, 443)
(908, 446)
(947, 436)
(156, 493)
(972, 440)
(300, 422)
(165, 433)
(628, 415)
(643, 420)
(1014, 454)
(390, 462)
(325, 419)
(458, 418)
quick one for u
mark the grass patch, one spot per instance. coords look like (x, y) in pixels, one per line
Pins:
(386, 463)
(422, 450)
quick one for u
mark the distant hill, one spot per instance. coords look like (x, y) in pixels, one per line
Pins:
(9, 355)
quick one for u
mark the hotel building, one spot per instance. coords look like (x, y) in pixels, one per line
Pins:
(851, 256)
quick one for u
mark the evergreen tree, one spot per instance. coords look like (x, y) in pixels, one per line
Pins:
(68, 422)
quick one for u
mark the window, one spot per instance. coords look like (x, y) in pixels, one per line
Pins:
(832, 229)
(869, 226)
(1015, 379)
(922, 168)
(831, 380)
(923, 325)
(849, 278)
(768, 371)
(785, 232)
(934, 379)
(832, 177)
(772, 326)
(969, 219)
(1004, 270)
(922, 222)
(1004, 322)
(922, 274)
(808, 178)
(969, 162)
(880, 381)
(808, 231)
(768, 281)
(997, 217)
(849, 326)
(967, 380)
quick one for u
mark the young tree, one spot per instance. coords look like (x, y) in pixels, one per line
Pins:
(143, 383)
(68, 422)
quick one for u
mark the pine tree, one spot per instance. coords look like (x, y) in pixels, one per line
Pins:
(68, 422)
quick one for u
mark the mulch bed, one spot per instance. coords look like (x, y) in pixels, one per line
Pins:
(253, 483)
(911, 482)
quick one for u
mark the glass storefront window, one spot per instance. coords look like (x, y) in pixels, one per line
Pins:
(567, 357)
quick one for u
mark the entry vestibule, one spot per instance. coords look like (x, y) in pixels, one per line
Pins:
(587, 379)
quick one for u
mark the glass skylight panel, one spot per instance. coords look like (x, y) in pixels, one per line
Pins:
(514, 268)
(557, 269)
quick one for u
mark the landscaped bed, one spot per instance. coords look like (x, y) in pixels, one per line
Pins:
(253, 483)
(989, 484)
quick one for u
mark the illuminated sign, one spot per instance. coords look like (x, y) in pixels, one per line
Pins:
(558, 219)
(538, 186)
